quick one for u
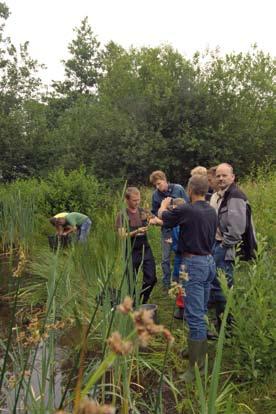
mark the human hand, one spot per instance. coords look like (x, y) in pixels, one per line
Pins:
(166, 202)
(154, 220)
(142, 230)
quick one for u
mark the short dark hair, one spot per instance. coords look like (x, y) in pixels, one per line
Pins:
(198, 185)
(53, 221)
(212, 171)
(57, 221)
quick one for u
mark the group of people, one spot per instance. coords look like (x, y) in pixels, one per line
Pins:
(205, 227)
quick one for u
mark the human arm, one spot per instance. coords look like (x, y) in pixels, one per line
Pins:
(183, 194)
(172, 218)
(235, 223)
(179, 192)
(124, 233)
(164, 206)
(156, 221)
(68, 230)
(155, 203)
(59, 229)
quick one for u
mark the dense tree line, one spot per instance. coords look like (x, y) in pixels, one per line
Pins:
(123, 113)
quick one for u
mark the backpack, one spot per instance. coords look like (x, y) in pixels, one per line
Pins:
(248, 245)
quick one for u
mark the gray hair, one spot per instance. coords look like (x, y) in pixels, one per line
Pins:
(225, 164)
(198, 185)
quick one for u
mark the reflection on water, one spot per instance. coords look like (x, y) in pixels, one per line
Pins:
(46, 378)
(45, 382)
(6, 287)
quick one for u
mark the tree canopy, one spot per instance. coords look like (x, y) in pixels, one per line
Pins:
(122, 113)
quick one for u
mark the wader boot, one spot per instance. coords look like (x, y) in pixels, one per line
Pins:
(197, 350)
(220, 307)
(179, 313)
(185, 353)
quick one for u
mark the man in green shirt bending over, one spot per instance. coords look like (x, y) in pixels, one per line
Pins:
(75, 222)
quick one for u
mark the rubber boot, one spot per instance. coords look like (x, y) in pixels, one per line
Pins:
(220, 307)
(197, 350)
(179, 313)
(210, 337)
(146, 291)
(185, 353)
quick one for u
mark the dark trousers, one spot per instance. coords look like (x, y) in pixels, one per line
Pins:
(176, 267)
(143, 257)
(217, 296)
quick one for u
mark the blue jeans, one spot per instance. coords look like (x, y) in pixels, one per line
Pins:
(84, 230)
(225, 265)
(201, 272)
(176, 266)
(166, 249)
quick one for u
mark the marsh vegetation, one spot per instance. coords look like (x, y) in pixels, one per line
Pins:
(60, 322)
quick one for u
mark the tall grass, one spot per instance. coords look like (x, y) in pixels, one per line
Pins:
(78, 289)
(83, 283)
(17, 220)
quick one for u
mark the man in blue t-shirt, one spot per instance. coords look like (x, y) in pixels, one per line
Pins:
(163, 190)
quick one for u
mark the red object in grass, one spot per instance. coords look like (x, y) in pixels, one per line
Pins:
(180, 300)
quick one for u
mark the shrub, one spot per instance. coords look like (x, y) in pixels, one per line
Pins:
(75, 191)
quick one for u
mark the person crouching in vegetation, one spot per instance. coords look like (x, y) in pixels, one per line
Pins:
(198, 225)
(73, 223)
(54, 221)
(133, 223)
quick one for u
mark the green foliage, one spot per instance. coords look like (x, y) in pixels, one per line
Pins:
(121, 114)
(17, 219)
(82, 69)
(261, 190)
(75, 191)
(254, 339)
(26, 205)
(80, 285)
(154, 109)
(4, 10)
(125, 112)
(19, 83)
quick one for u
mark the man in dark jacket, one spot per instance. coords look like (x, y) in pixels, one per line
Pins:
(165, 189)
(235, 230)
